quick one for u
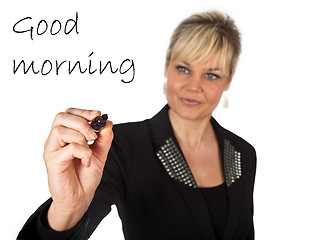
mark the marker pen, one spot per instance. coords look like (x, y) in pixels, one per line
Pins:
(97, 124)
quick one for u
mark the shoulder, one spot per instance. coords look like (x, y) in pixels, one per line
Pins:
(239, 142)
(230, 140)
(233, 138)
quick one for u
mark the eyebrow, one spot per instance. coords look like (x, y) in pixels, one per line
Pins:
(208, 69)
(215, 69)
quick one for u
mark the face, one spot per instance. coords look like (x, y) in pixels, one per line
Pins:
(193, 90)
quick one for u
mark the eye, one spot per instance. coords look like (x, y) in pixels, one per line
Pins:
(212, 76)
(182, 69)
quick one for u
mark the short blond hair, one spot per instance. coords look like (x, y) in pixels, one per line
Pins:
(203, 35)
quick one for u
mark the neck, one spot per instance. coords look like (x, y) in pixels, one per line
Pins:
(192, 133)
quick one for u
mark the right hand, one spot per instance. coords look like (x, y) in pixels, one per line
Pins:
(74, 168)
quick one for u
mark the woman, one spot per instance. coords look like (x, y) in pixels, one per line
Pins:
(179, 175)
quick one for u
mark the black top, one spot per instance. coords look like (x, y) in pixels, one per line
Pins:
(148, 179)
(217, 203)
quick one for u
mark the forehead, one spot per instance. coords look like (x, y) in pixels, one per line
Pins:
(217, 56)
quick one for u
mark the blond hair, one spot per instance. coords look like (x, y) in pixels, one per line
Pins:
(204, 35)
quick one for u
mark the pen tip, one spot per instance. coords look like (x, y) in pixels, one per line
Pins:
(105, 117)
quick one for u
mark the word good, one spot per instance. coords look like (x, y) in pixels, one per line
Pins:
(25, 25)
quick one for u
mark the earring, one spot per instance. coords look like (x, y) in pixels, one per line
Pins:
(226, 102)
(164, 88)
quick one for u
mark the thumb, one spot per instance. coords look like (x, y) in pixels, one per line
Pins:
(103, 143)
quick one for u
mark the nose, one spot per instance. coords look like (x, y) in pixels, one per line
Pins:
(194, 84)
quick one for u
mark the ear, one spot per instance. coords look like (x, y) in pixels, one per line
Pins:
(229, 81)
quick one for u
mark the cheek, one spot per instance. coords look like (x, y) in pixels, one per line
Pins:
(170, 91)
(214, 93)
(173, 86)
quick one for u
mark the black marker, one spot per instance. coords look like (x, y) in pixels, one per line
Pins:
(97, 124)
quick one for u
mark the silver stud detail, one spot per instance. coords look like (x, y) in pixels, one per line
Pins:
(232, 163)
(175, 164)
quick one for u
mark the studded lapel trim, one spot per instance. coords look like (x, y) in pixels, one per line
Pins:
(232, 163)
(177, 168)
(175, 164)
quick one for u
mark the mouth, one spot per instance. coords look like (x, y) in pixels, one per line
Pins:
(190, 102)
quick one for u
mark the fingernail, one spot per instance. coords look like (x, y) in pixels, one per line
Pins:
(92, 134)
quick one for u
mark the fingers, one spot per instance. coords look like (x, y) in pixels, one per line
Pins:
(87, 114)
(103, 143)
(72, 128)
(78, 123)
(67, 153)
(72, 119)
(105, 136)
(77, 151)
(61, 136)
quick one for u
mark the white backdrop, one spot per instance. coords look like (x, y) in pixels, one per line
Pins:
(268, 97)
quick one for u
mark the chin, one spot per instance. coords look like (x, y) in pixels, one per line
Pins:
(191, 113)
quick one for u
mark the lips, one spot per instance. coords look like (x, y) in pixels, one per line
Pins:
(190, 102)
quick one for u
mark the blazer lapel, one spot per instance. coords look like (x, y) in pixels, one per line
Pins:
(169, 154)
(232, 173)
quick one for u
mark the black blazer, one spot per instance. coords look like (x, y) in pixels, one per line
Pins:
(147, 177)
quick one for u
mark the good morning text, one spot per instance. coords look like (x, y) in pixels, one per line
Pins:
(64, 66)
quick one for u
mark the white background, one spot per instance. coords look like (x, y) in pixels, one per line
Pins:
(268, 97)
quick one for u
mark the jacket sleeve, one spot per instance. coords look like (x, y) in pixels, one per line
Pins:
(251, 233)
(109, 192)
(35, 228)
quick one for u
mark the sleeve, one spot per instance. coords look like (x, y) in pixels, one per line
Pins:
(251, 233)
(110, 191)
(35, 228)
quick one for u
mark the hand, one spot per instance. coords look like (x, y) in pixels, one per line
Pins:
(74, 168)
